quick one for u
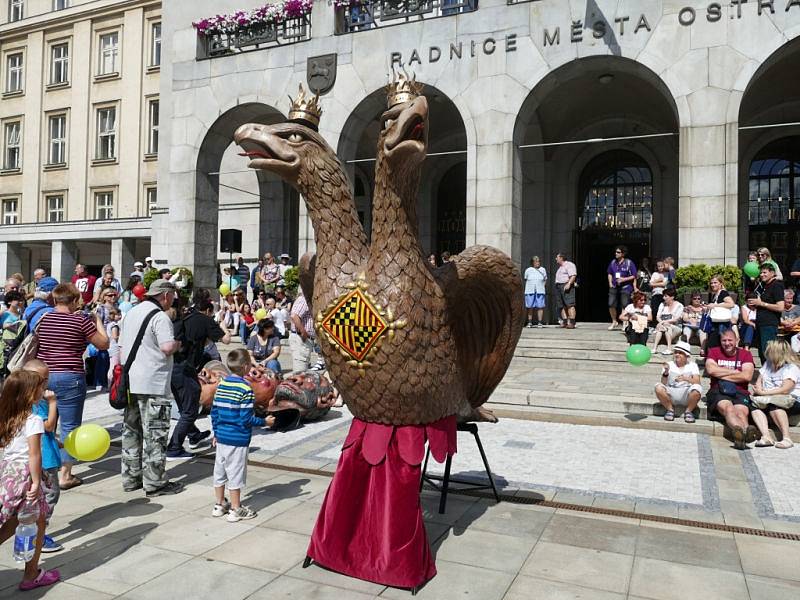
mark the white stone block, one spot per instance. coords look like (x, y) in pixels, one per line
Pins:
(703, 146)
(708, 106)
(707, 211)
(669, 41)
(755, 37)
(494, 192)
(688, 74)
(708, 181)
(704, 34)
(724, 67)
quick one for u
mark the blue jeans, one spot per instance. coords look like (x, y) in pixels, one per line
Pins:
(273, 365)
(765, 335)
(747, 332)
(244, 331)
(102, 362)
(70, 391)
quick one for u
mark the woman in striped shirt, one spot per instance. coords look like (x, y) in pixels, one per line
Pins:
(63, 337)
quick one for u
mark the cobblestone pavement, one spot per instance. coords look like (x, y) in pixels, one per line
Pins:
(122, 545)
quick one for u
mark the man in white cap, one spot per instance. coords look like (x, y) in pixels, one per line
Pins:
(146, 420)
(138, 270)
(283, 267)
(680, 383)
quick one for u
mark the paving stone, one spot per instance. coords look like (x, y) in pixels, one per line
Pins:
(525, 588)
(768, 557)
(698, 549)
(263, 548)
(59, 591)
(768, 588)
(454, 581)
(607, 571)
(207, 533)
(504, 518)
(596, 534)
(317, 574)
(289, 587)
(300, 519)
(485, 549)
(662, 580)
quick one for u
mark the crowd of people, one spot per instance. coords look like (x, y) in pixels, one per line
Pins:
(90, 330)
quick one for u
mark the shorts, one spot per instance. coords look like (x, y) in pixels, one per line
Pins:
(622, 294)
(15, 481)
(714, 397)
(680, 395)
(673, 331)
(565, 298)
(230, 466)
(534, 300)
(52, 489)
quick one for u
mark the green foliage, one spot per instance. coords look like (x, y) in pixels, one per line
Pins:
(696, 276)
(150, 275)
(291, 280)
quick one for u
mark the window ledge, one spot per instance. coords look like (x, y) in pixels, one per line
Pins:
(13, 94)
(153, 69)
(55, 167)
(106, 77)
(4, 172)
(104, 161)
(150, 156)
(57, 86)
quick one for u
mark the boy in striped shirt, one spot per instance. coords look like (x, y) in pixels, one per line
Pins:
(232, 419)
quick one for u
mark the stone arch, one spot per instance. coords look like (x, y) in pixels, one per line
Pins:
(359, 135)
(772, 97)
(275, 203)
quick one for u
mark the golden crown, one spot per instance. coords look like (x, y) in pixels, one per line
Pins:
(305, 108)
(402, 89)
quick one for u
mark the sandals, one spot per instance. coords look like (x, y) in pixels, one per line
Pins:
(784, 444)
(669, 415)
(76, 481)
(44, 578)
(688, 416)
(764, 442)
(739, 438)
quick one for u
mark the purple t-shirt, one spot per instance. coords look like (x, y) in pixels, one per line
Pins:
(618, 270)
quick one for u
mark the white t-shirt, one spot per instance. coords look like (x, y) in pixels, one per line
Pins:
(666, 313)
(774, 379)
(632, 310)
(658, 282)
(534, 280)
(279, 316)
(690, 368)
(18, 448)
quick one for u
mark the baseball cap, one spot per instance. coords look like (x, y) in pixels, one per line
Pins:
(138, 263)
(159, 286)
(683, 347)
(47, 284)
(148, 259)
(284, 255)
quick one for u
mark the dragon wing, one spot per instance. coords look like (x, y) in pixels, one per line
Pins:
(483, 290)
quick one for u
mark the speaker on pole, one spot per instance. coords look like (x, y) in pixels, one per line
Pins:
(230, 240)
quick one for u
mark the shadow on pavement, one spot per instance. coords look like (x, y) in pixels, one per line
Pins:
(101, 518)
(269, 494)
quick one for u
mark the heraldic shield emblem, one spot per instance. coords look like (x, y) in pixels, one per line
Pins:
(321, 73)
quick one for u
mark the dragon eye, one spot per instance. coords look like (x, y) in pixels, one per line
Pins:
(295, 137)
(387, 123)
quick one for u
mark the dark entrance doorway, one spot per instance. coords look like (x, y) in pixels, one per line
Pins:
(616, 209)
(774, 201)
(451, 216)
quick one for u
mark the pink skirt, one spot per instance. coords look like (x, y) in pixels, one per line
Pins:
(15, 481)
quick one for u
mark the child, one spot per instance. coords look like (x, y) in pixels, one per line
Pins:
(51, 455)
(232, 419)
(21, 467)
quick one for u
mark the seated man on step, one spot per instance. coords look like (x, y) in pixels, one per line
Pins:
(680, 384)
(731, 370)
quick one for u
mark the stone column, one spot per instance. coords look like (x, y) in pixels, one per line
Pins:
(64, 256)
(123, 251)
(10, 259)
(707, 225)
(494, 214)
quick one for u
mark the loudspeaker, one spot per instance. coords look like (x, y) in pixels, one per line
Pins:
(230, 240)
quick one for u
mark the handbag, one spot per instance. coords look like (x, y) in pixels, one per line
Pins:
(29, 348)
(784, 401)
(119, 390)
(719, 314)
(728, 388)
(706, 324)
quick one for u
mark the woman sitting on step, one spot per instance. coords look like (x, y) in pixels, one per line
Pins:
(637, 315)
(776, 393)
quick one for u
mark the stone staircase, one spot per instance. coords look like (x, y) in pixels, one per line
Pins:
(582, 376)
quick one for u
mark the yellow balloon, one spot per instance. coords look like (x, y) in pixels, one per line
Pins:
(261, 313)
(91, 441)
(224, 289)
(69, 443)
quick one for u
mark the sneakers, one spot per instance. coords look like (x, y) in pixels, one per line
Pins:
(540, 325)
(133, 488)
(50, 545)
(200, 441)
(529, 325)
(240, 514)
(220, 510)
(182, 455)
(168, 489)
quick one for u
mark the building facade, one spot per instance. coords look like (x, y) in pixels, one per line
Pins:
(79, 116)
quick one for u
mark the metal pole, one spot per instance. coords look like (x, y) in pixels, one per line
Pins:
(598, 140)
(769, 126)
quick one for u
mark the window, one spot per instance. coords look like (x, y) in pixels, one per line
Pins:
(58, 140)
(619, 194)
(152, 138)
(14, 72)
(16, 10)
(11, 156)
(155, 45)
(109, 53)
(55, 208)
(10, 212)
(152, 199)
(60, 4)
(59, 63)
(104, 205)
(106, 133)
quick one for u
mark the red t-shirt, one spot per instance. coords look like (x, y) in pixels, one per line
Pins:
(63, 338)
(248, 318)
(730, 362)
(85, 285)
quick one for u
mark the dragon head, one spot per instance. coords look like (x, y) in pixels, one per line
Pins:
(282, 148)
(404, 133)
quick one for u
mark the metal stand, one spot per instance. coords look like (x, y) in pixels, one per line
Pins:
(446, 479)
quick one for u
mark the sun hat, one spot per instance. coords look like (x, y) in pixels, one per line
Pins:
(159, 286)
(683, 347)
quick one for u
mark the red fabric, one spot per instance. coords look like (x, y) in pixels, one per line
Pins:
(370, 525)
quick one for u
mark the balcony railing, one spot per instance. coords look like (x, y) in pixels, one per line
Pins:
(370, 14)
(255, 37)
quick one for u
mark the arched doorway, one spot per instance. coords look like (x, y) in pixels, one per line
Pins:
(443, 187)
(228, 195)
(616, 209)
(597, 135)
(769, 152)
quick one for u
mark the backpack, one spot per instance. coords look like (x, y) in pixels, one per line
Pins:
(10, 340)
(23, 348)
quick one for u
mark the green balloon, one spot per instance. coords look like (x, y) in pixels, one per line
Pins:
(91, 441)
(751, 269)
(638, 355)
